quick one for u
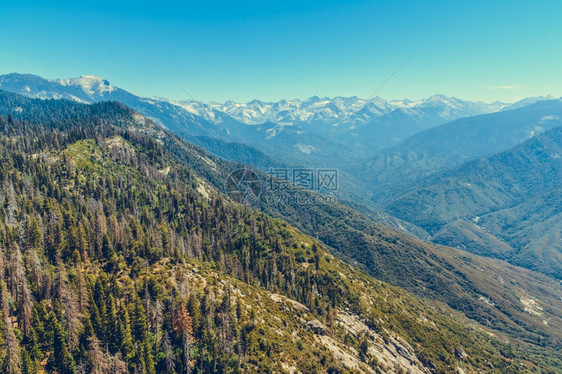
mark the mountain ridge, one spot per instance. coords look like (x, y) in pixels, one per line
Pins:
(509, 195)
(400, 167)
(316, 128)
(136, 251)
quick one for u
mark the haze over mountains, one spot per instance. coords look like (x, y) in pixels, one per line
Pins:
(399, 167)
(317, 130)
(508, 205)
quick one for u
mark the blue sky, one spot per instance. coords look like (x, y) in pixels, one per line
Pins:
(478, 50)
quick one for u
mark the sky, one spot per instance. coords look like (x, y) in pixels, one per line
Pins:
(218, 51)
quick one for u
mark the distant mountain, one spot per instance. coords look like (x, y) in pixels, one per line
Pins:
(400, 168)
(316, 131)
(85, 89)
(528, 101)
(197, 122)
(508, 205)
(342, 110)
(90, 89)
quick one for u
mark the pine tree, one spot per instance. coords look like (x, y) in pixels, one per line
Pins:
(61, 359)
(28, 366)
(34, 235)
(107, 247)
(168, 353)
(113, 326)
(195, 312)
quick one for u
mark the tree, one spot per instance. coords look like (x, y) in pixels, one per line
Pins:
(127, 346)
(183, 324)
(69, 302)
(34, 235)
(168, 353)
(99, 363)
(28, 366)
(12, 364)
(61, 359)
(107, 247)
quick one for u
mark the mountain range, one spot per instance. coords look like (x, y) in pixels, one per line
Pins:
(507, 205)
(121, 252)
(398, 168)
(388, 152)
(316, 131)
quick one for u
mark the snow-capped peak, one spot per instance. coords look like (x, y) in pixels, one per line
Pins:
(338, 111)
(353, 109)
(90, 84)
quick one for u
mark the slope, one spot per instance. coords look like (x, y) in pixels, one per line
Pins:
(513, 196)
(400, 168)
(458, 279)
(116, 257)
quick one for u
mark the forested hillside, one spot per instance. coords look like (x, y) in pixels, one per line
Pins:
(115, 257)
(488, 291)
(506, 205)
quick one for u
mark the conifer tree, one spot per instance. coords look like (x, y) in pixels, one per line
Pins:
(61, 359)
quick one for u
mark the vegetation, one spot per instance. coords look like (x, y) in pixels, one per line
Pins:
(487, 291)
(115, 257)
(509, 204)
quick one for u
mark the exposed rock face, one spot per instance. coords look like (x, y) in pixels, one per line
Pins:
(460, 353)
(392, 356)
(317, 327)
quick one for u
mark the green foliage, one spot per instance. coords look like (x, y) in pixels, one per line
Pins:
(112, 260)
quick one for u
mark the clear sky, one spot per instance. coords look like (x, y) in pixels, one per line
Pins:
(477, 50)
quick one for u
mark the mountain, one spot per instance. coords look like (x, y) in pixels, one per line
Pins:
(354, 236)
(119, 255)
(457, 279)
(334, 111)
(316, 131)
(194, 121)
(86, 89)
(91, 89)
(324, 131)
(398, 169)
(507, 205)
(527, 101)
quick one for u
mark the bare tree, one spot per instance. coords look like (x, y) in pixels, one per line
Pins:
(69, 301)
(168, 353)
(98, 359)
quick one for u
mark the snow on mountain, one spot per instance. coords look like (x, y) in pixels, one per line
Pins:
(322, 128)
(349, 109)
(90, 84)
(528, 101)
(330, 111)
(85, 89)
(190, 118)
